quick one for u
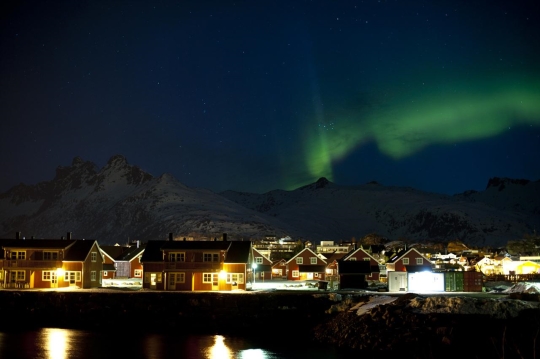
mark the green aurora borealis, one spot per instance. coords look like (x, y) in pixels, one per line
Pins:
(424, 116)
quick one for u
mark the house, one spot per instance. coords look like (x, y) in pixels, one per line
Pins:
(122, 262)
(408, 260)
(331, 274)
(360, 254)
(353, 274)
(306, 265)
(50, 263)
(279, 269)
(197, 265)
(262, 267)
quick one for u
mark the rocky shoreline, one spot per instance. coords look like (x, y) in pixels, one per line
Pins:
(410, 326)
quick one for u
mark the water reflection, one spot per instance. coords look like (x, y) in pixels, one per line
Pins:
(219, 350)
(56, 342)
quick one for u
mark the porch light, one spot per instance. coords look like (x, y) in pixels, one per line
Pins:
(59, 272)
(222, 274)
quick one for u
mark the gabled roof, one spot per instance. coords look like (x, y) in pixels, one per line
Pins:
(396, 257)
(238, 252)
(351, 254)
(279, 262)
(307, 249)
(152, 252)
(131, 253)
(113, 252)
(335, 257)
(255, 251)
(80, 250)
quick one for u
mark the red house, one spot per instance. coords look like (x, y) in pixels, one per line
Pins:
(409, 261)
(306, 265)
(361, 254)
(197, 265)
(50, 263)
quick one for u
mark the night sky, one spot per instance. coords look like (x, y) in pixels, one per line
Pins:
(260, 95)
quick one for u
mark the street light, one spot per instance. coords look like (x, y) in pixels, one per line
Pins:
(253, 266)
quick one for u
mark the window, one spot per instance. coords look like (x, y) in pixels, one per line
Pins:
(406, 261)
(93, 276)
(352, 259)
(148, 277)
(18, 255)
(211, 257)
(137, 273)
(105, 273)
(259, 260)
(18, 275)
(50, 256)
(48, 276)
(72, 277)
(299, 260)
(177, 257)
(313, 260)
(419, 261)
(295, 274)
(177, 277)
(366, 259)
(94, 256)
(210, 277)
(237, 278)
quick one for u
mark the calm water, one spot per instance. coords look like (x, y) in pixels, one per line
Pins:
(52, 343)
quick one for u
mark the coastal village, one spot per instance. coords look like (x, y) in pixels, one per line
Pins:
(217, 264)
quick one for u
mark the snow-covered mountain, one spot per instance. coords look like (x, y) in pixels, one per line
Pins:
(120, 202)
(506, 210)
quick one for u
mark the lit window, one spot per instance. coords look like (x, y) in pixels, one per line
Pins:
(299, 260)
(237, 278)
(137, 273)
(295, 274)
(405, 261)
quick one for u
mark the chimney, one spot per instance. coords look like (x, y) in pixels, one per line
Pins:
(224, 237)
(68, 235)
(138, 243)
(17, 235)
(170, 236)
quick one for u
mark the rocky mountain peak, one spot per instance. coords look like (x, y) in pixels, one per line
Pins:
(501, 183)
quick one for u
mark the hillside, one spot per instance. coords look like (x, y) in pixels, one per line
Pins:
(120, 202)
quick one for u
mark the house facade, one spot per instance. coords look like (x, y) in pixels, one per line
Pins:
(408, 261)
(262, 268)
(51, 263)
(306, 265)
(197, 265)
(362, 255)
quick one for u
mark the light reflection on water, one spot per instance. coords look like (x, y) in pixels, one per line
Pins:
(54, 343)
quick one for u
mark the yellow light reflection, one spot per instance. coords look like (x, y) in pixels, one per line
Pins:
(56, 343)
(219, 350)
(253, 354)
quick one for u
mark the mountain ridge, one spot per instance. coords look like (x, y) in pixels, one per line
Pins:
(120, 202)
